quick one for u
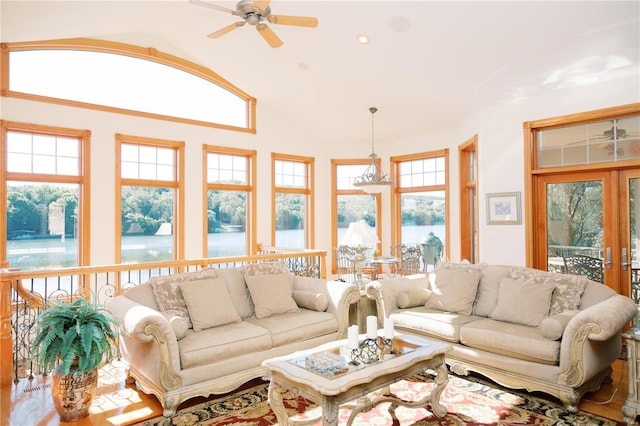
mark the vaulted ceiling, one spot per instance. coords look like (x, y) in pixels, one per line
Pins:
(428, 66)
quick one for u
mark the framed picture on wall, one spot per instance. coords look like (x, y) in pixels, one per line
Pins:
(503, 208)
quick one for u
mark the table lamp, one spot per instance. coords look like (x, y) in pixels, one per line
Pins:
(360, 237)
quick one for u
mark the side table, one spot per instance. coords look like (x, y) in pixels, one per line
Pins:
(631, 407)
(358, 312)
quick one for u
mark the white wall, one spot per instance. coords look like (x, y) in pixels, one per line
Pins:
(500, 155)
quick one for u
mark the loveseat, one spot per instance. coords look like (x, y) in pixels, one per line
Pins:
(522, 328)
(207, 332)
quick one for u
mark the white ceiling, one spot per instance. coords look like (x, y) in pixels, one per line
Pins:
(428, 67)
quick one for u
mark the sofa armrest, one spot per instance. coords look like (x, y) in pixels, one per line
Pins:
(147, 341)
(582, 351)
(340, 295)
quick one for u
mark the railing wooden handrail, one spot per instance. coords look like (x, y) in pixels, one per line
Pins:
(19, 305)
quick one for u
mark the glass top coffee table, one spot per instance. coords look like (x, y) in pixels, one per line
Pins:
(328, 375)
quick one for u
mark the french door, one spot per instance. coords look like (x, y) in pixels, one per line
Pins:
(593, 214)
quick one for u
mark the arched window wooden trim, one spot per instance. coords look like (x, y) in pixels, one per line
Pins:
(150, 54)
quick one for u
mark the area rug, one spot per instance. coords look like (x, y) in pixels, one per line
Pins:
(470, 402)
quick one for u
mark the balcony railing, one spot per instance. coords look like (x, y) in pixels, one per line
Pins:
(26, 293)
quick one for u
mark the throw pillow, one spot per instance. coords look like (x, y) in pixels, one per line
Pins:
(169, 297)
(178, 324)
(209, 303)
(569, 288)
(265, 268)
(271, 294)
(522, 302)
(412, 298)
(454, 289)
(552, 327)
(309, 300)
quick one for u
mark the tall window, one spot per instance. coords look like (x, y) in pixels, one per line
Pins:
(149, 199)
(468, 155)
(349, 203)
(420, 199)
(123, 78)
(229, 221)
(45, 196)
(292, 201)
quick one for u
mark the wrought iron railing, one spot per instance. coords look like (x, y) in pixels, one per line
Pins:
(26, 293)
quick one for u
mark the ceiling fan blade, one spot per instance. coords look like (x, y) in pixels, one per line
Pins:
(225, 30)
(269, 36)
(213, 6)
(260, 5)
(300, 21)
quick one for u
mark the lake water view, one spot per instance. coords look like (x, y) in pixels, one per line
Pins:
(29, 254)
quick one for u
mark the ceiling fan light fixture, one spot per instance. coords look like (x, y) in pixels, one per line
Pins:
(373, 180)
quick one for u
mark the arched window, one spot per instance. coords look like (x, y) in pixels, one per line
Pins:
(126, 79)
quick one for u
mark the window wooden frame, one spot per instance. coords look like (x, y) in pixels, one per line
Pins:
(83, 180)
(397, 191)
(308, 192)
(335, 192)
(251, 157)
(177, 185)
(469, 235)
(117, 48)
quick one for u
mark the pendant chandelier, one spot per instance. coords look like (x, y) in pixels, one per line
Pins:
(373, 180)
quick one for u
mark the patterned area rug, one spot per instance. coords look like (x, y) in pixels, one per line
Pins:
(468, 401)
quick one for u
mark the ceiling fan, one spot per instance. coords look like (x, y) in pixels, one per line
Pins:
(256, 12)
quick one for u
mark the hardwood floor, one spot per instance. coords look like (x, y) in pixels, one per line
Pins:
(29, 402)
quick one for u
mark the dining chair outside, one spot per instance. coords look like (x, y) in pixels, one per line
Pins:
(591, 267)
(409, 255)
(345, 263)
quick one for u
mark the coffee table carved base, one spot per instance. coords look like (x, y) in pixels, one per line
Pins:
(330, 406)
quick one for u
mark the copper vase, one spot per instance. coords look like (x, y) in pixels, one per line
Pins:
(73, 393)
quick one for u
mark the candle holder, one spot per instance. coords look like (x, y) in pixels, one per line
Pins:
(371, 350)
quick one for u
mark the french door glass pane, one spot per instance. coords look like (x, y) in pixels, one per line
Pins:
(634, 238)
(574, 221)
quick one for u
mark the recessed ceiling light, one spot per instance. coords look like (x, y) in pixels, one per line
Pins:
(363, 39)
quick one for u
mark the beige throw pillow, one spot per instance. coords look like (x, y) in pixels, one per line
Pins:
(271, 294)
(522, 302)
(552, 327)
(454, 290)
(209, 303)
(412, 298)
(309, 300)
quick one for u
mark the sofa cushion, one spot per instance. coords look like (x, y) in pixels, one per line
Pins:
(454, 289)
(509, 339)
(297, 326)
(310, 300)
(431, 322)
(222, 342)
(209, 303)
(522, 302)
(412, 298)
(552, 327)
(569, 288)
(238, 290)
(271, 294)
(169, 297)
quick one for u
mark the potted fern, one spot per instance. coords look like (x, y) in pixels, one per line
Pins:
(73, 339)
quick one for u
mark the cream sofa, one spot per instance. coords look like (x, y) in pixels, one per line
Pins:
(207, 332)
(523, 328)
